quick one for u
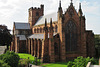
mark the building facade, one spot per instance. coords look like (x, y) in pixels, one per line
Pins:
(57, 36)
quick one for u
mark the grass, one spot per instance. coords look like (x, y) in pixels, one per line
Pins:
(58, 64)
(31, 58)
(26, 56)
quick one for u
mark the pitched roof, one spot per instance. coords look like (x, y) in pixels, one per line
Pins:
(39, 36)
(22, 25)
(41, 20)
(21, 37)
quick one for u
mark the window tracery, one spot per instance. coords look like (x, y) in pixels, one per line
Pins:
(71, 36)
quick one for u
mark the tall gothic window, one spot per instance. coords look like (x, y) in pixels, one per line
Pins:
(71, 36)
(56, 28)
(55, 48)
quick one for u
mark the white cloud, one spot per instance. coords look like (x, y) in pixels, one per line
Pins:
(17, 10)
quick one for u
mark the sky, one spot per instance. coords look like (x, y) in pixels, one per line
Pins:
(17, 11)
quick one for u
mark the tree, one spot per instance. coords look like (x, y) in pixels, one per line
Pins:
(97, 45)
(5, 36)
(3, 64)
(11, 58)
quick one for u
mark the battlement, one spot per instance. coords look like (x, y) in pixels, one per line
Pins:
(35, 13)
(37, 8)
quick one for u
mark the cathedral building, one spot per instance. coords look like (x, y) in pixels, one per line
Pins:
(54, 37)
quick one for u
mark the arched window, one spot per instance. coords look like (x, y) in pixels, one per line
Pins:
(55, 48)
(34, 30)
(37, 13)
(71, 36)
(37, 30)
(56, 28)
(40, 30)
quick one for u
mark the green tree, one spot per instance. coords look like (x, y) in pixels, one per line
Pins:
(11, 58)
(3, 64)
(97, 45)
(5, 36)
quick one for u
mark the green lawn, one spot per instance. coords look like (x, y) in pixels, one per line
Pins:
(59, 64)
(25, 56)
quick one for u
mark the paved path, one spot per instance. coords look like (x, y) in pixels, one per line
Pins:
(2, 49)
(35, 66)
(94, 65)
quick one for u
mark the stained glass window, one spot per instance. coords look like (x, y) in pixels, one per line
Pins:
(71, 36)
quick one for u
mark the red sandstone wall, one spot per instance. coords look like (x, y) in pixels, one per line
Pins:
(90, 44)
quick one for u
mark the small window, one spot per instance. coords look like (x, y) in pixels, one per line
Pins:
(37, 14)
(56, 28)
(34, 30)
(40, 30)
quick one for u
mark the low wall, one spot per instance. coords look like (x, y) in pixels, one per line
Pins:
(2, 49)
(88, 65)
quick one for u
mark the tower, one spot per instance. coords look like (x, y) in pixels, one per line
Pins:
(35, 14)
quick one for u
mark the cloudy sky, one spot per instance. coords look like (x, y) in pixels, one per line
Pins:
(17, 11)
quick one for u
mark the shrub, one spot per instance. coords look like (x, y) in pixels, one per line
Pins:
(81, 62)
(24, 61)
(70, 64)
(11, 58)
(3, 64)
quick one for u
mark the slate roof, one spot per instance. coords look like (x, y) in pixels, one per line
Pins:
(39, 36)
(41, 20)
(22, 25)
(21, 37)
